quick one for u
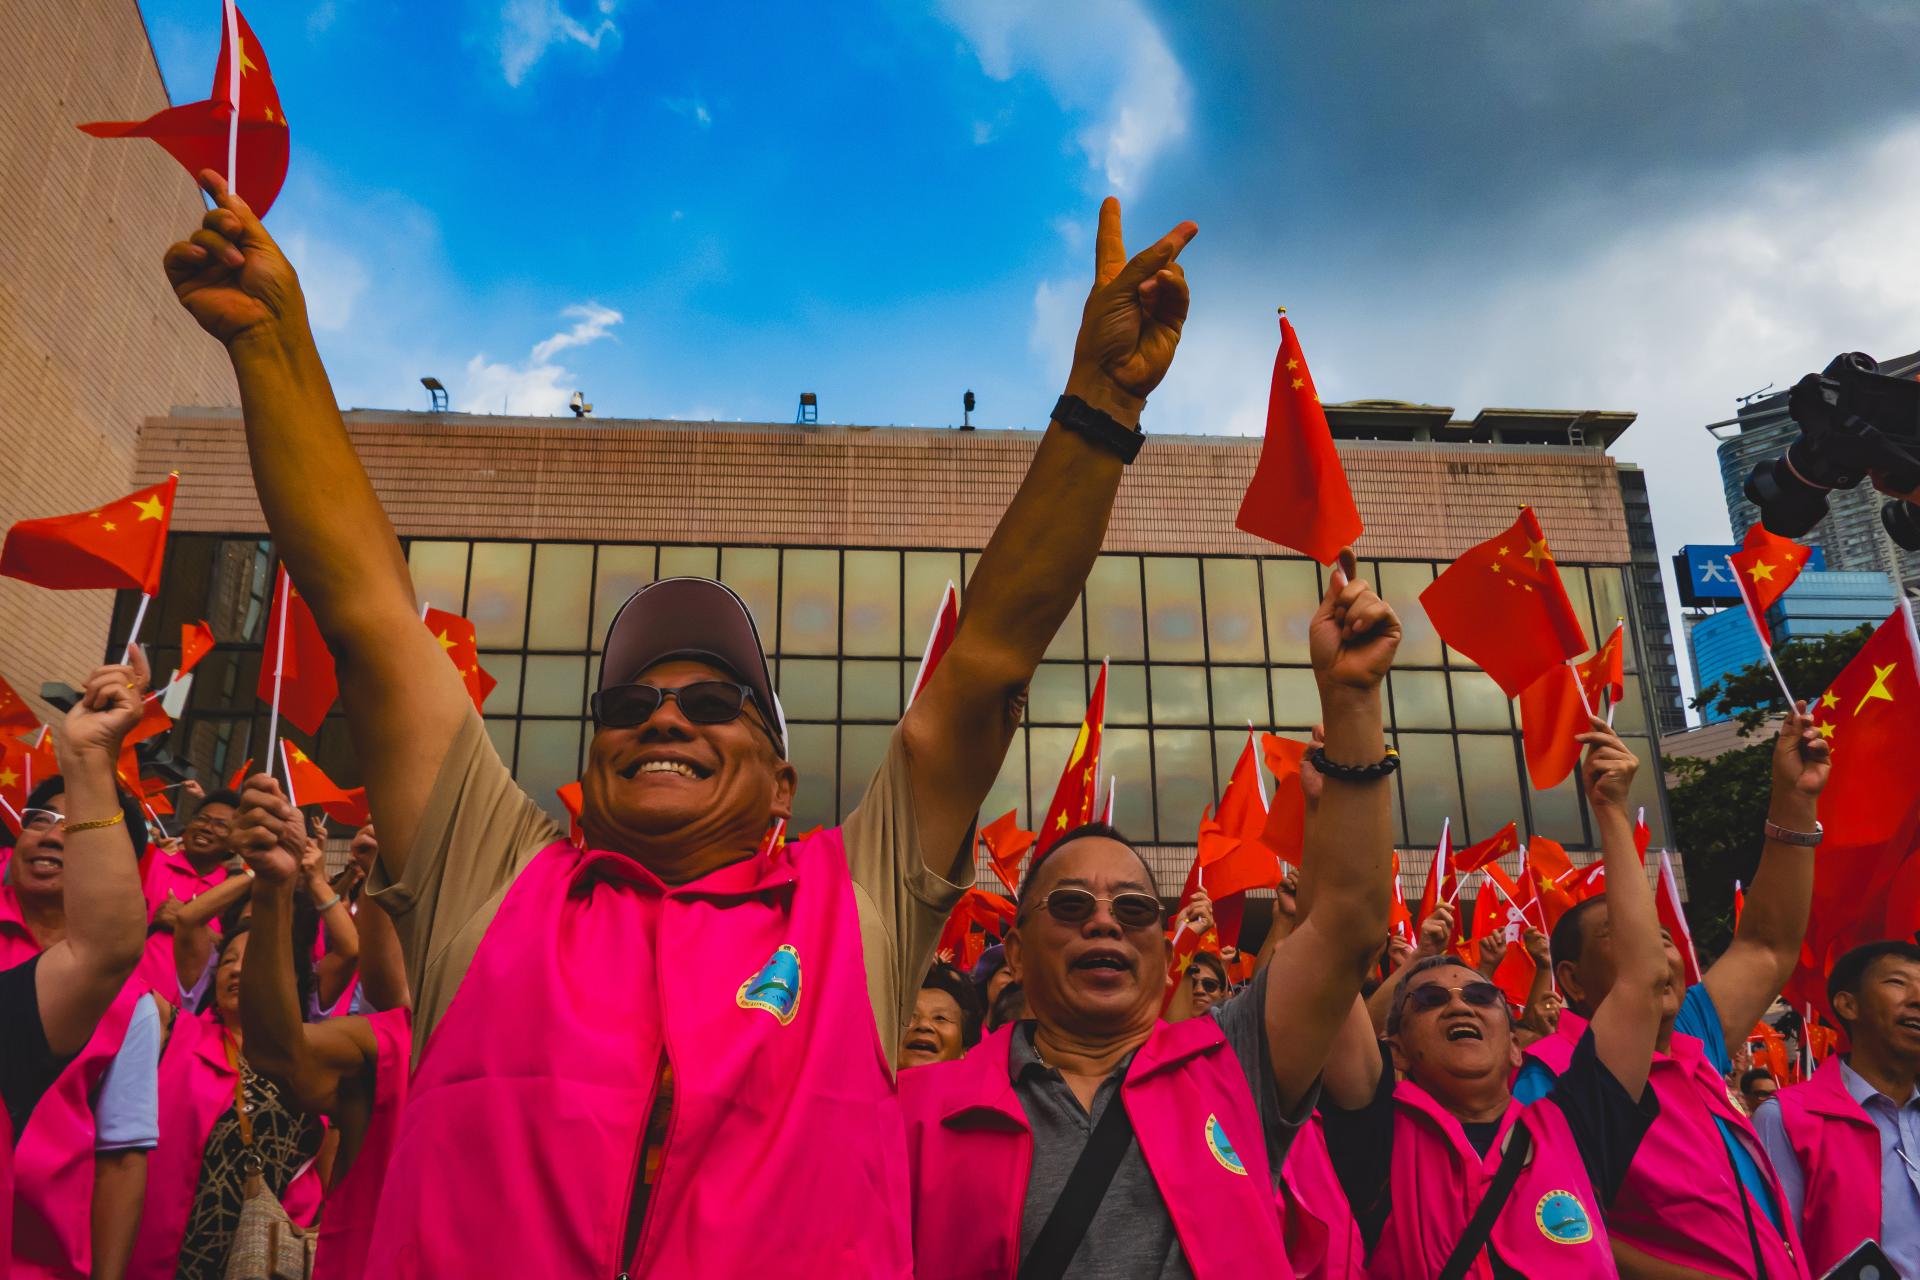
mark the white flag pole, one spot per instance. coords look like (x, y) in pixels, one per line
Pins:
(279, 664)
(1759, 628)
(286, 767)
(234, 54)
(133, 636)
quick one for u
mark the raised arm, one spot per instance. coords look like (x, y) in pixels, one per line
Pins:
(342, 955)
(1348, 854)
(404, 701)
(79, 976)
(1766, 943)
(1036, 563)
(192, 938)
(1627, 1024)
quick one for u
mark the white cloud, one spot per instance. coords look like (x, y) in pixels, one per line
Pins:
(593, 322)
(333, 279)
(692, 108)
(539, 386)
(530, 27)
(1101, 58)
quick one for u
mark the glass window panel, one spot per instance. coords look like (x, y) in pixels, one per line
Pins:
(689, 562)
(549, 759)
(1069, 643)
(1240, 696)
(754, 572)
(1479, 703)
(870, 691)
(619, 572)
(1235, 630)
(927, 576)
(555, 686)
(439, 574)
(497, 593)
(861, 748)
(1609, 607)
(871, 602)
(1420, 699)
(1125, 763)
(1400, 585)
(1175, 632)
(1429, 787)
(224, 681)
(1631, 716)
(971, 561)
(1179, 694)
(809, 601)
(1575, 581)
(1009, 790)
(1048, 750)
(808, 688)
(1556, 811)
(1646, 791)
(813, 754)
(1126, 694)
(1490, 766)
(1183, 780)
(1296, 697)
(562, 593)
(1115, 628)
(1292, 590)
(504, 734)
(504, 668)
(1058, 694)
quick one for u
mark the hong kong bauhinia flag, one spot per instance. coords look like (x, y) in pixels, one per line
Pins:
(1299, 496)
(1503, 605)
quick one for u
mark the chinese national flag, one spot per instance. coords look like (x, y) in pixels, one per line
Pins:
(1765, 566)
(1673, 916)
(1299, 496)
(1605, 671)
(1007, 847)
(14, 784)
(1230, 853)
(15, 715)
(462, 647)
(1078, 791)
(195, 133)
(306, 784)
(1514, 977)
(976, 917)
(1551, 714)
(1553, 879)
(1868, 716)
(154, 721)
(196, 642)
(1503, 605)
(1442, 886)
(307, 683)
(1475, 857)
(118, 545)
(1285, 830)
(946, 621)
(1399, 917)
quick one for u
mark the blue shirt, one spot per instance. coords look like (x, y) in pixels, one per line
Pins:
(1700, 1019)
(126, 1107)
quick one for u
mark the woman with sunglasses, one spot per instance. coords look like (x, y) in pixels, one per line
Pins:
(1419, 1159)
(1098, 1139)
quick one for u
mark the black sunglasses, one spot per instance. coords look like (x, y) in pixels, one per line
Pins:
(1204, 980)
(1431, 996)
(1075, 906)
(704, 702)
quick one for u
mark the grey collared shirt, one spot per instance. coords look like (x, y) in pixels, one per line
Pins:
(1899, 1126)
(1132, 1235)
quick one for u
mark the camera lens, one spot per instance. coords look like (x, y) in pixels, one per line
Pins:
(1902, 521)
(1788, 505)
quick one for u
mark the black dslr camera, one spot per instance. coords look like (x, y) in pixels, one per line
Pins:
(1853, 419)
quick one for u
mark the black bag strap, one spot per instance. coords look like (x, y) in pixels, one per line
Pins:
(1746, 1207)
(1072, 1213)
(1480, 1226)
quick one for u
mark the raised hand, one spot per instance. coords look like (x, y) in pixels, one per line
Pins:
(1607, 772)
(1399, 952)
(230, 275)
(1539, 949)
(1493, 949)
(1801, 757)
(1197, 914)
(110, 706)
(1131, 323)
(268, 832)
(1354, 633)
(1436, 931)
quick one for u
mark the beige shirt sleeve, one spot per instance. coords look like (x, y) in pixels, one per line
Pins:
(902, 905)
(478, 831)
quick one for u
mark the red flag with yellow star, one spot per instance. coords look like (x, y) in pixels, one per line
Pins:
(1475, 857)
(119, 545)
(1605, 672)
(1077, 794)
(1503, 605)
(196, 642)
(15, 715)
(1299, 495)
(308, 784)
(1007, 847)
(306, 682)
(1765, 566)
(456, 636)
(196, 133)
(1867, 715)
(1551, 714)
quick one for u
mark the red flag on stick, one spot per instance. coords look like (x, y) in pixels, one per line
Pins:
(1551, 714)
(1554, 879)
(15, 715)
(1442, 886)
(196, 642)
(457, 638)
(1229, 851)
(1475, 857)
(1642, 834)
(946, 621)
(1007, 847)
(1503, 605)
(1077, 794)
(239, 777)
(154, 721)
(1285, 830)
(1605, 672)
(1299, 496)
(296, 676)
(118, 546)
(1674, 917)
(307, 784)
(1765, 566)
(1739, 905)
(1399, 916)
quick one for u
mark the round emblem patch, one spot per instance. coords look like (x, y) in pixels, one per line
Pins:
(1222, 1149)
(775, 986)
(1563, 1219)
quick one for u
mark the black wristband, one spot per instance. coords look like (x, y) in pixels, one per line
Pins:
(1099, 428)
(1380, 768)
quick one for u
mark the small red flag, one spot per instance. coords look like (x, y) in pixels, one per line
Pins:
(1867, 715)
(1229, 849)
(154, 721)
(307, 784)
(196, 642)
(119, 545)
(1285, 829)
(976, 917)
(1503, 605)
(15, 715)
(1007, 847)
(307, 682)
(195, 133)
(1077, 794)
(1605, 671)
(462, 646)
(1554, 879)
(1442, 886)
(1739, 905)
(1765, 566)
(1476, 857)
(1673, 917)
(946, 621)
(1642, 834)
(16, 775)
(239, 777)
(1551, 714)
(1299, 495)
(1592, 882)
(1399, 916)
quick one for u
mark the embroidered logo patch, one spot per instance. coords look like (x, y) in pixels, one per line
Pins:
(1563, 1219)
(775, 986)
(1222, 1149)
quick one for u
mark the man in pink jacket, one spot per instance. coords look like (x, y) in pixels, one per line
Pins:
(668, 1051)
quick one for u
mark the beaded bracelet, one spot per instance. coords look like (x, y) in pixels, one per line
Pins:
(1354, 772)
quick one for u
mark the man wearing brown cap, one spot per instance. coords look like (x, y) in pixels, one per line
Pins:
(667, 1051)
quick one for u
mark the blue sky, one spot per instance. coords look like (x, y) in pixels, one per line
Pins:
(702, 210)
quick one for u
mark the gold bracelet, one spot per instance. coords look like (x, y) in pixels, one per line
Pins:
(118, 817)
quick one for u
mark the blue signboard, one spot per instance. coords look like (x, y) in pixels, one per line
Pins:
(1706, 579)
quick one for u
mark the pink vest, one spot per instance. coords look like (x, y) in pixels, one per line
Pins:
(1550, 1225)
(169, 873)
(53, 1159)
(1838, 1148)
(970, 1149)
(1681, 1172)
(1323, 1240)
(346, 1227)
(6, 1194)
(196, 1088)
(784, 1156)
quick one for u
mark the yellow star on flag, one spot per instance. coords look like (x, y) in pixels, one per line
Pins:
(1824, 730)
(446, 641)
(299, 756)
(247, 64)
(1062, 823)
(1879, 686)
(1828, 699)
(108, 525)
(1760, 571)
(1298, 383)
(151, 508)
(1537, 552)
(8, 778)
(1293, 364)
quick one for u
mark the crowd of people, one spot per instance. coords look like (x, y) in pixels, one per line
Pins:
(683, 1044)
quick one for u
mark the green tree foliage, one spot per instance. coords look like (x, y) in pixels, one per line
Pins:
(1719, 804)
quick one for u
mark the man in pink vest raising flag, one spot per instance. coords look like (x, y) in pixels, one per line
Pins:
(665, 1053)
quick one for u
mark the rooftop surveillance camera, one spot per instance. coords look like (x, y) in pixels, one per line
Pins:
(578, 403)
(966, 411)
